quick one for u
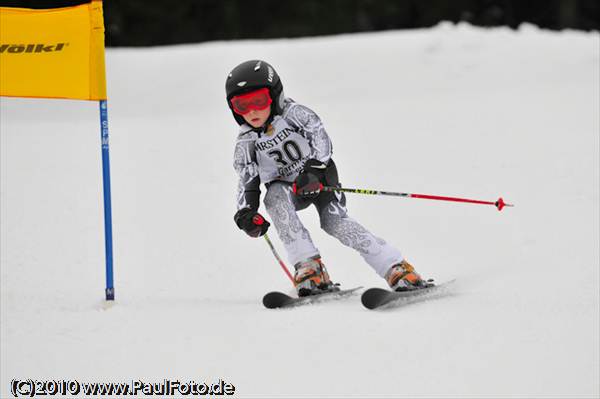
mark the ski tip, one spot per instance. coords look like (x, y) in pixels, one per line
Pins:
(275, 299)
(371, 297)
(368, 305)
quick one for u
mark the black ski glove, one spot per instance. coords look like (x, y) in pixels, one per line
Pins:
(309, 184)
(251, 222)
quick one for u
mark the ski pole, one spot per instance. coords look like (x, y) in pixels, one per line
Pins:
(285, 269)
(498, 204)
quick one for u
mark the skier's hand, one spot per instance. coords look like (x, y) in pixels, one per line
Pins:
(307, 185)
(252, 222)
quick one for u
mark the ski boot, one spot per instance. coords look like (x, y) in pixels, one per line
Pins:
(311, 277)
(402, 277)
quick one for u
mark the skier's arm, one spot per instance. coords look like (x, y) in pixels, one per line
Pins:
(310, 126)
(248, 194)
(244, 163)
(320, 169)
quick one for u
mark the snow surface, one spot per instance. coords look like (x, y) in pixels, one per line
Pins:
(453, 110)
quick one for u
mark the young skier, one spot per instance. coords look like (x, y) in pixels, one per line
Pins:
(283, 145)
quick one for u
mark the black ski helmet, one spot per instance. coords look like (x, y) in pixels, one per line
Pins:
(252, 75)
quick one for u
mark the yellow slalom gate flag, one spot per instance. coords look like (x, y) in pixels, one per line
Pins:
(53, 53)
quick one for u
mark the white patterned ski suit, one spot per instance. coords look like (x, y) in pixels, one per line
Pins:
(275, 156)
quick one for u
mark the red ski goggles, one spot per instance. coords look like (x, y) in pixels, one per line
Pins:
(257, 100)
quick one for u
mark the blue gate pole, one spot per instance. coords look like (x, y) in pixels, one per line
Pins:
(110, 289)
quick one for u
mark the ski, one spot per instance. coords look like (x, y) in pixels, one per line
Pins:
(276, 299)
(379, 298)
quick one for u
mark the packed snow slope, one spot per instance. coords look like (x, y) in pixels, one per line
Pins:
(453, 110)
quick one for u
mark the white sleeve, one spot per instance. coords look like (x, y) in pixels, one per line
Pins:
(244, 163)
(310, 126)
